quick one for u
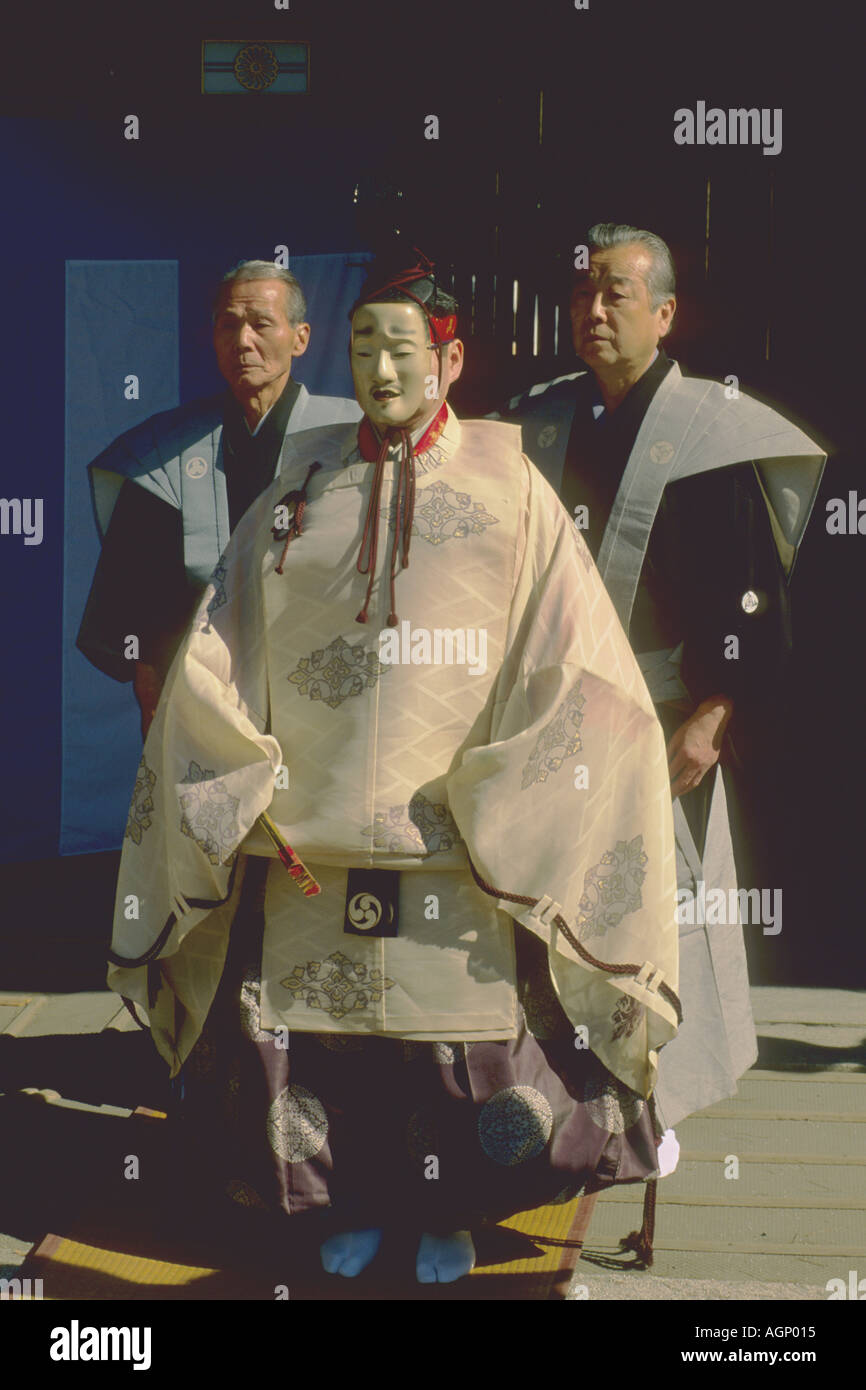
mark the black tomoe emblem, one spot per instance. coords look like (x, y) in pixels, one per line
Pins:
(371, 902)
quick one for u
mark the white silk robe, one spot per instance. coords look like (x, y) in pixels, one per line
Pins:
(547, 768)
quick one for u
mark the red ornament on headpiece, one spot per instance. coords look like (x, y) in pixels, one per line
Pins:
(443, 327)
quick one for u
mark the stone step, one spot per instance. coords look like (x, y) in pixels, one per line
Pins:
(758, 1229)
(639, 1286)
(772, 1184)
(63, 1013)
(744, 1133)
(779, 1004)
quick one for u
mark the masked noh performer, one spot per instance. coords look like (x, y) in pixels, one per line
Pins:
(406, 658)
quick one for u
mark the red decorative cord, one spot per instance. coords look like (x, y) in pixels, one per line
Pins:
(405, 513)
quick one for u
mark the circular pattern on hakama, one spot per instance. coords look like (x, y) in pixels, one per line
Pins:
(541, 1007)
(515, 1125)
(202, 1058)
(297, 1125)
(421, 1139)
(442, 1053)
(340, 1042)
(232, 1092)
(251, 1008)
(611, 1105)
(245, 1195)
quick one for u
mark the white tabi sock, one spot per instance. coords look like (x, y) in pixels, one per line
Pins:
(443, 1259)
(668, 1154)
(350, 1252)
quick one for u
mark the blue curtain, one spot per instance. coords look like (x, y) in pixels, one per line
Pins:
(121, 319)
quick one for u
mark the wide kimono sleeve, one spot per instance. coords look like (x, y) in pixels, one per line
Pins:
(207, 771)
(568, 804)
(140, 586)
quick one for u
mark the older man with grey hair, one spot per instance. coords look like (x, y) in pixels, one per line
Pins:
(168, 493)
(693, 499)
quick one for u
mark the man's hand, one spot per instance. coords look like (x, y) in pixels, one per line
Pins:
(695, 746)
(147, 684)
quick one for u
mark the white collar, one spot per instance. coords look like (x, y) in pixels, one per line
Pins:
(253, 433)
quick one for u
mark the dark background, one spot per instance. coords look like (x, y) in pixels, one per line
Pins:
(549, 119)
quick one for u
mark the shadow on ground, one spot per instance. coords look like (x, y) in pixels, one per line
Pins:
(788, 1054)
(107, 1068)
(65, 1186)
(56, 920)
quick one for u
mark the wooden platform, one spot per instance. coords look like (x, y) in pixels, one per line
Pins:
(530, 1257)
(140, 1243)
